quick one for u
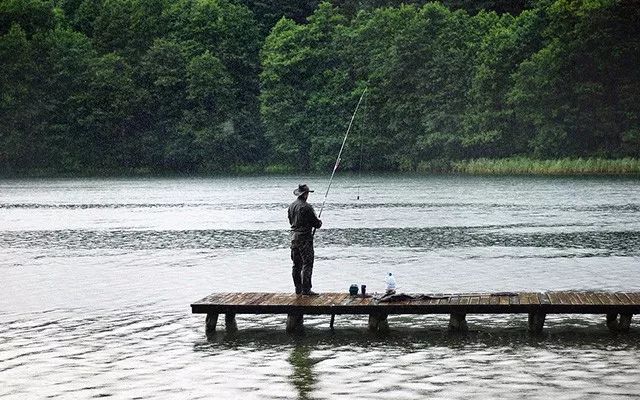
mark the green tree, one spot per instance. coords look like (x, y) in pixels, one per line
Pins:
(210, 91)
(18, 106)
(301, 71)
(32, 15)
(578, 94)
(66, 67)
(490, 124)
(113, 104)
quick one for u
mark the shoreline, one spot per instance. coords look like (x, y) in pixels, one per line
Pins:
(512, 166)
(552, 167)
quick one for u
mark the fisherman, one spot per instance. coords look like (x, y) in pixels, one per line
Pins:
(302, 218)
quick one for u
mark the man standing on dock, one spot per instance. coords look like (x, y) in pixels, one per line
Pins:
(303, 219)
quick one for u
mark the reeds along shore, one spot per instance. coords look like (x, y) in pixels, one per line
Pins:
(565, 166)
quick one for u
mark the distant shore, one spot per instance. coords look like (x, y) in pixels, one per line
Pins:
(565, 166)
(482, 166)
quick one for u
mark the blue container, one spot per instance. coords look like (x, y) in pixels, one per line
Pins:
(353, 290)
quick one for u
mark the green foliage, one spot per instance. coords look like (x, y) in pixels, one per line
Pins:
(31, 15)
(233, 85)
(558, 80)
(564, 166)
(128, 85)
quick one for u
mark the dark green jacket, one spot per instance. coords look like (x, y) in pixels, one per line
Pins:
(302, 218)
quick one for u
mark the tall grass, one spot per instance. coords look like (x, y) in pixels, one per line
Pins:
(564, 166)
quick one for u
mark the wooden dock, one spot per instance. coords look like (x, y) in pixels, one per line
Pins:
(618, 307)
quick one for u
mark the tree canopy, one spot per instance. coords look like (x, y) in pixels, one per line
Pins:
(223, 85)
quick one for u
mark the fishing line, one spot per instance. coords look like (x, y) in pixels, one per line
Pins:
(344, 141)
(364, 116)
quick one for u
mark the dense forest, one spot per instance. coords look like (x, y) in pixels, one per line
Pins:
(240, 85)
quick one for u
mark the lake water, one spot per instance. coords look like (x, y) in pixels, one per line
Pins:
(97, 276)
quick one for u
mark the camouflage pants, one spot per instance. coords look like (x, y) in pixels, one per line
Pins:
(302, 257)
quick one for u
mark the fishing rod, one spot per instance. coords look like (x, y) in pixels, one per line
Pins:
(344, 141)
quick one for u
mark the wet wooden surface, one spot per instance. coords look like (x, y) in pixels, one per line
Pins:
(441, 303)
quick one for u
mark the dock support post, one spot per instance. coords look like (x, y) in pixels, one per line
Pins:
(210, 325)
(230, 324)
(536, 322)
(619, 325)
(333, 318)
(295, 323)
(378, 323)
(612, 322)
(625, 322)
(458, 322)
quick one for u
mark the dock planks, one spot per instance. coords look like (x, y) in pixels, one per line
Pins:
(566, 302)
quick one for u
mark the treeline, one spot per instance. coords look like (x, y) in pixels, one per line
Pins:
(561, 79)
(221, 85)
(128, 84)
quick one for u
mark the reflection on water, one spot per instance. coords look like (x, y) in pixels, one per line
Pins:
(580, 359)
(97, 276)
(302, 377)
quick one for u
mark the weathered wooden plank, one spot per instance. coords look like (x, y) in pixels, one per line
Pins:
(250, 297)
(233, 299)
(435, 300)
(604, 299)
(340, 303)
(564, 297)
(624, 299)
(210, 298)
(523, 298)
(365, 301)
(534, 298)
(333, 299)
(344, 301)
(345, 298)
(288, 299)
(271, 300)
(225, 298)
(593, 298)
(340, 299)
(634, 297)
(239, 298)
(553, 298)
(317, 301)
(582, 298)
(575, 300)
(259, 298)
(544, 298)
(613, 299)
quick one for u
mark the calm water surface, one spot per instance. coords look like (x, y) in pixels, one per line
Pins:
(98, 274)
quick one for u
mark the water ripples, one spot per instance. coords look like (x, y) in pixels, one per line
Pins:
(613, 243)
(610, 208)
(98, 275)
(71, 353)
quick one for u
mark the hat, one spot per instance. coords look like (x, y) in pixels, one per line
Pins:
(302, 189)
